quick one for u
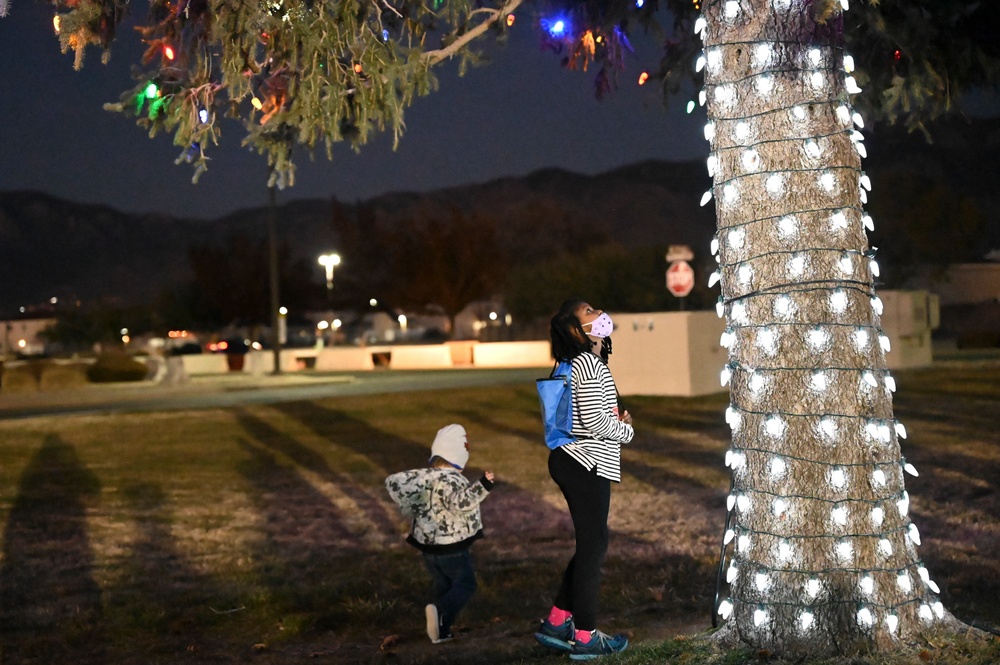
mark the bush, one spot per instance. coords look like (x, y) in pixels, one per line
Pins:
(111, 367)
(980, 339)
(63, 377)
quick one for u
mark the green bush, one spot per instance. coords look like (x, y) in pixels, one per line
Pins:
(112, 367)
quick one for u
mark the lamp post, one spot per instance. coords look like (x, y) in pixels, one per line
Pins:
(329, 261)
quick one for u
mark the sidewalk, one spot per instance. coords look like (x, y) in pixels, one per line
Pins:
(97, 394)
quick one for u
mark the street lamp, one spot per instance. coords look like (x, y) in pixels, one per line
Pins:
(329, 261)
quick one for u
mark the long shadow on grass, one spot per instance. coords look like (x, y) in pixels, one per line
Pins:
(159, 602)
(50, 604)
(366, 498)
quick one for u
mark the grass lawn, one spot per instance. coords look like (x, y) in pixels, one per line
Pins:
(264, 534)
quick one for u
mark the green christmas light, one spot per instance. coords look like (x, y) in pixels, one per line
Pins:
(151, 90)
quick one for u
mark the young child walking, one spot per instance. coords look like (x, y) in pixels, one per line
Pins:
(444, 508)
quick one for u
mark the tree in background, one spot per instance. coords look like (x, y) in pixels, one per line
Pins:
(230, 283)
(823, 553)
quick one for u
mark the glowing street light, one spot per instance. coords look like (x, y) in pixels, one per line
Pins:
(329, 261)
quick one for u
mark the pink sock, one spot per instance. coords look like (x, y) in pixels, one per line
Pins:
(557, 617)
(584, 636)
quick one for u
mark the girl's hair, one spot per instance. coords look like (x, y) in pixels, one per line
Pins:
(566, 345)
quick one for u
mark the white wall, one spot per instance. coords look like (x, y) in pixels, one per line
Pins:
(908, 318)
(668, 353)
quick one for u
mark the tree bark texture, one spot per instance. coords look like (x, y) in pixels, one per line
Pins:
(823, 556)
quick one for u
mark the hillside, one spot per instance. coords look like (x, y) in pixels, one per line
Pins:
(51, 247)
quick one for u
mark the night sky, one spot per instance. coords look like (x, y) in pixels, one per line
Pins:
(520, 113)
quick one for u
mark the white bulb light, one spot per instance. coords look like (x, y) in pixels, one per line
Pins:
(806, 620)
(813, 587)
(782, 305)
(904, 582)
(892, 622)
(865, 617)
(738, 312)
(757, 382)
(845, 550)
(846, 264)
(732, 9)
(710, 131)
(817, 338)
(885, 547)
(817, 80)
(765, 84)
(713, 166)
(725, 609)
(775, 183)
(838, 301)
(878, 477)
(796, 265)
(759, 617)
(938, 608)
(728, 537)
(743, 543)
(819, 381)
(767, 340)
(788, 226)
(827, 181)
(751, 160)
(778, 467)
(838, 479)
(736, 237)
(815, 57)
(730, 193)
(774, 426)
(714, 59)
(828, 426)
(903, 505)
(861, 339)
(724, 94)
(799, 113)
(867, 584)
(851, 85)
(785, 550)
(778, 507)
(762, 581)
(763, 54)
(878, 516)
(870, 379)
(848, 64)
(913, 533)
(839, 515)
(732, 573)
(925, 613)
(743, 502)
(838, 220)
(745, 274)
(741, 130)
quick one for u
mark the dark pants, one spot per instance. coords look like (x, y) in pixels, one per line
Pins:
(589, 498)
(454, 583)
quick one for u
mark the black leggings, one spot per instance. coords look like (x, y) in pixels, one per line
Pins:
(589, 498)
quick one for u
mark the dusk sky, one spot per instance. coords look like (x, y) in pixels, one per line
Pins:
(520, 113)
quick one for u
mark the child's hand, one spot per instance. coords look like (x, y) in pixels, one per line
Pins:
(626, 418)
(488, 475)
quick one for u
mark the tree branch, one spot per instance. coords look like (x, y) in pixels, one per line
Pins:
(436, 56)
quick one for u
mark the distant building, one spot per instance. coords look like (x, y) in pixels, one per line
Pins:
(23, 336)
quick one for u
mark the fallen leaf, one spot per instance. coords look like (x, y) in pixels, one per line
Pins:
(390, 642)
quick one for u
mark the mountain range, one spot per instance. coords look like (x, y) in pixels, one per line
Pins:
(51, 247)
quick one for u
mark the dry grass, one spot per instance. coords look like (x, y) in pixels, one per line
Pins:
(263, 534)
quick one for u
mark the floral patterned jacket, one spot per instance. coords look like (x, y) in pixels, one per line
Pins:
(443, 505)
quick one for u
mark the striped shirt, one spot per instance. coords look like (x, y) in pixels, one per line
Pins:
(599, 434)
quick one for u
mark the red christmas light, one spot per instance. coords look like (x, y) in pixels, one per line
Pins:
(168, 52)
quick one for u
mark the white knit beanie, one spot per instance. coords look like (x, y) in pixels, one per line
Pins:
(451, 445)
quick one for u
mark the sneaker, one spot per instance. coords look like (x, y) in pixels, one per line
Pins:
(445, 637)
(556, 637)
(433, 623)
(599, 645)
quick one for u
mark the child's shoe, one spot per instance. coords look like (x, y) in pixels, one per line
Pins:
(556, 637)
(600, 644)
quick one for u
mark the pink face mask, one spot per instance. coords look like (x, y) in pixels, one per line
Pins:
(601, 327)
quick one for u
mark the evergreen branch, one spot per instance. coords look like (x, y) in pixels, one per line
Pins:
(438, 55)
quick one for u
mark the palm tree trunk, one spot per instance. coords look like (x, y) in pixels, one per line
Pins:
(822, 558)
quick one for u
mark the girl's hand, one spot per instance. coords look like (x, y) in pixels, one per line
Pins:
(626, 418)
(489, 475)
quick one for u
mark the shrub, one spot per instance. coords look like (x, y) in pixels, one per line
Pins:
(61, 377)
(112, 367)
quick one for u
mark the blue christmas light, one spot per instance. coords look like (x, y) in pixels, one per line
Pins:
(556, 27)
(639, 3)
